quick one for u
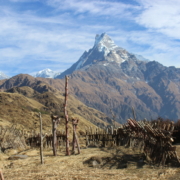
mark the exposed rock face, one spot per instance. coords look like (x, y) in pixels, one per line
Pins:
(104, 51)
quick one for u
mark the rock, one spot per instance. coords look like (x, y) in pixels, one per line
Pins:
(95, 163)
(19, 156)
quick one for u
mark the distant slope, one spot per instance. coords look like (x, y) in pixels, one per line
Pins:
(23, 111)
(153, 90)
(52, 103)
(18, 109)
(108, 76)
(2, 81)
(27, 80)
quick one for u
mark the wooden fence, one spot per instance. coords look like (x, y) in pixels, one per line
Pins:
(154, 139)
(33, 140)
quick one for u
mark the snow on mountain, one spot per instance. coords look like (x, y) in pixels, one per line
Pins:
(104, 49)
(104, 44)
(104, 52)
(111, 52)
(3, 76)
(141, 58)
(47, 73)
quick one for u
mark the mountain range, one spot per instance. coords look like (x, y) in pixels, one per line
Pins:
(109, 77)
(47, 73)
(112, 80)
(24, 96)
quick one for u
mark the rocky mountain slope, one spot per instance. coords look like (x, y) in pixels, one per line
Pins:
(104, 52)
(108, 76)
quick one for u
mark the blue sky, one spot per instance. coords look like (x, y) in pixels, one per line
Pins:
(39, 34)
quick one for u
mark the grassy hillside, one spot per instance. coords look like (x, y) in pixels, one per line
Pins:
(21, 105)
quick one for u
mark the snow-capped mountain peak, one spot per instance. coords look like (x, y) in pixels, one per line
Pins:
(104, 52)
(104, 43)
(47, 73)
(3, 76)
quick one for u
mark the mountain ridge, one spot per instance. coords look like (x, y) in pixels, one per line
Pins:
(47, 73)
(104, 52)
(113, 66)
(102, 81)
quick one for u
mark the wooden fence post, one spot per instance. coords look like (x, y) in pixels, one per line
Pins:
(55, 121)
(41, 140)
(66, 115)
(1, 175)
(75, 138)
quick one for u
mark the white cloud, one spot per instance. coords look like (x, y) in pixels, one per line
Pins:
(28, 37)
(25, 36)
(154, 46)
(162, 16)
(42, 38)
(60, 38)
(96, 7)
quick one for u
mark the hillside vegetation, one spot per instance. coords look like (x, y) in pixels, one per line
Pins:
(21, 105)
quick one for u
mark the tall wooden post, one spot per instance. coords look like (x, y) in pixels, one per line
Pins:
(41, 140)
(54, 140)
(66, 115)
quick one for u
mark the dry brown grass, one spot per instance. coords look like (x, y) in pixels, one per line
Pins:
(23, 111)
(72, 167)
(15, 112)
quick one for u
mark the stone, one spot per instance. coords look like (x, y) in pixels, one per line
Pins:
(19, 156)
(95, 163)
